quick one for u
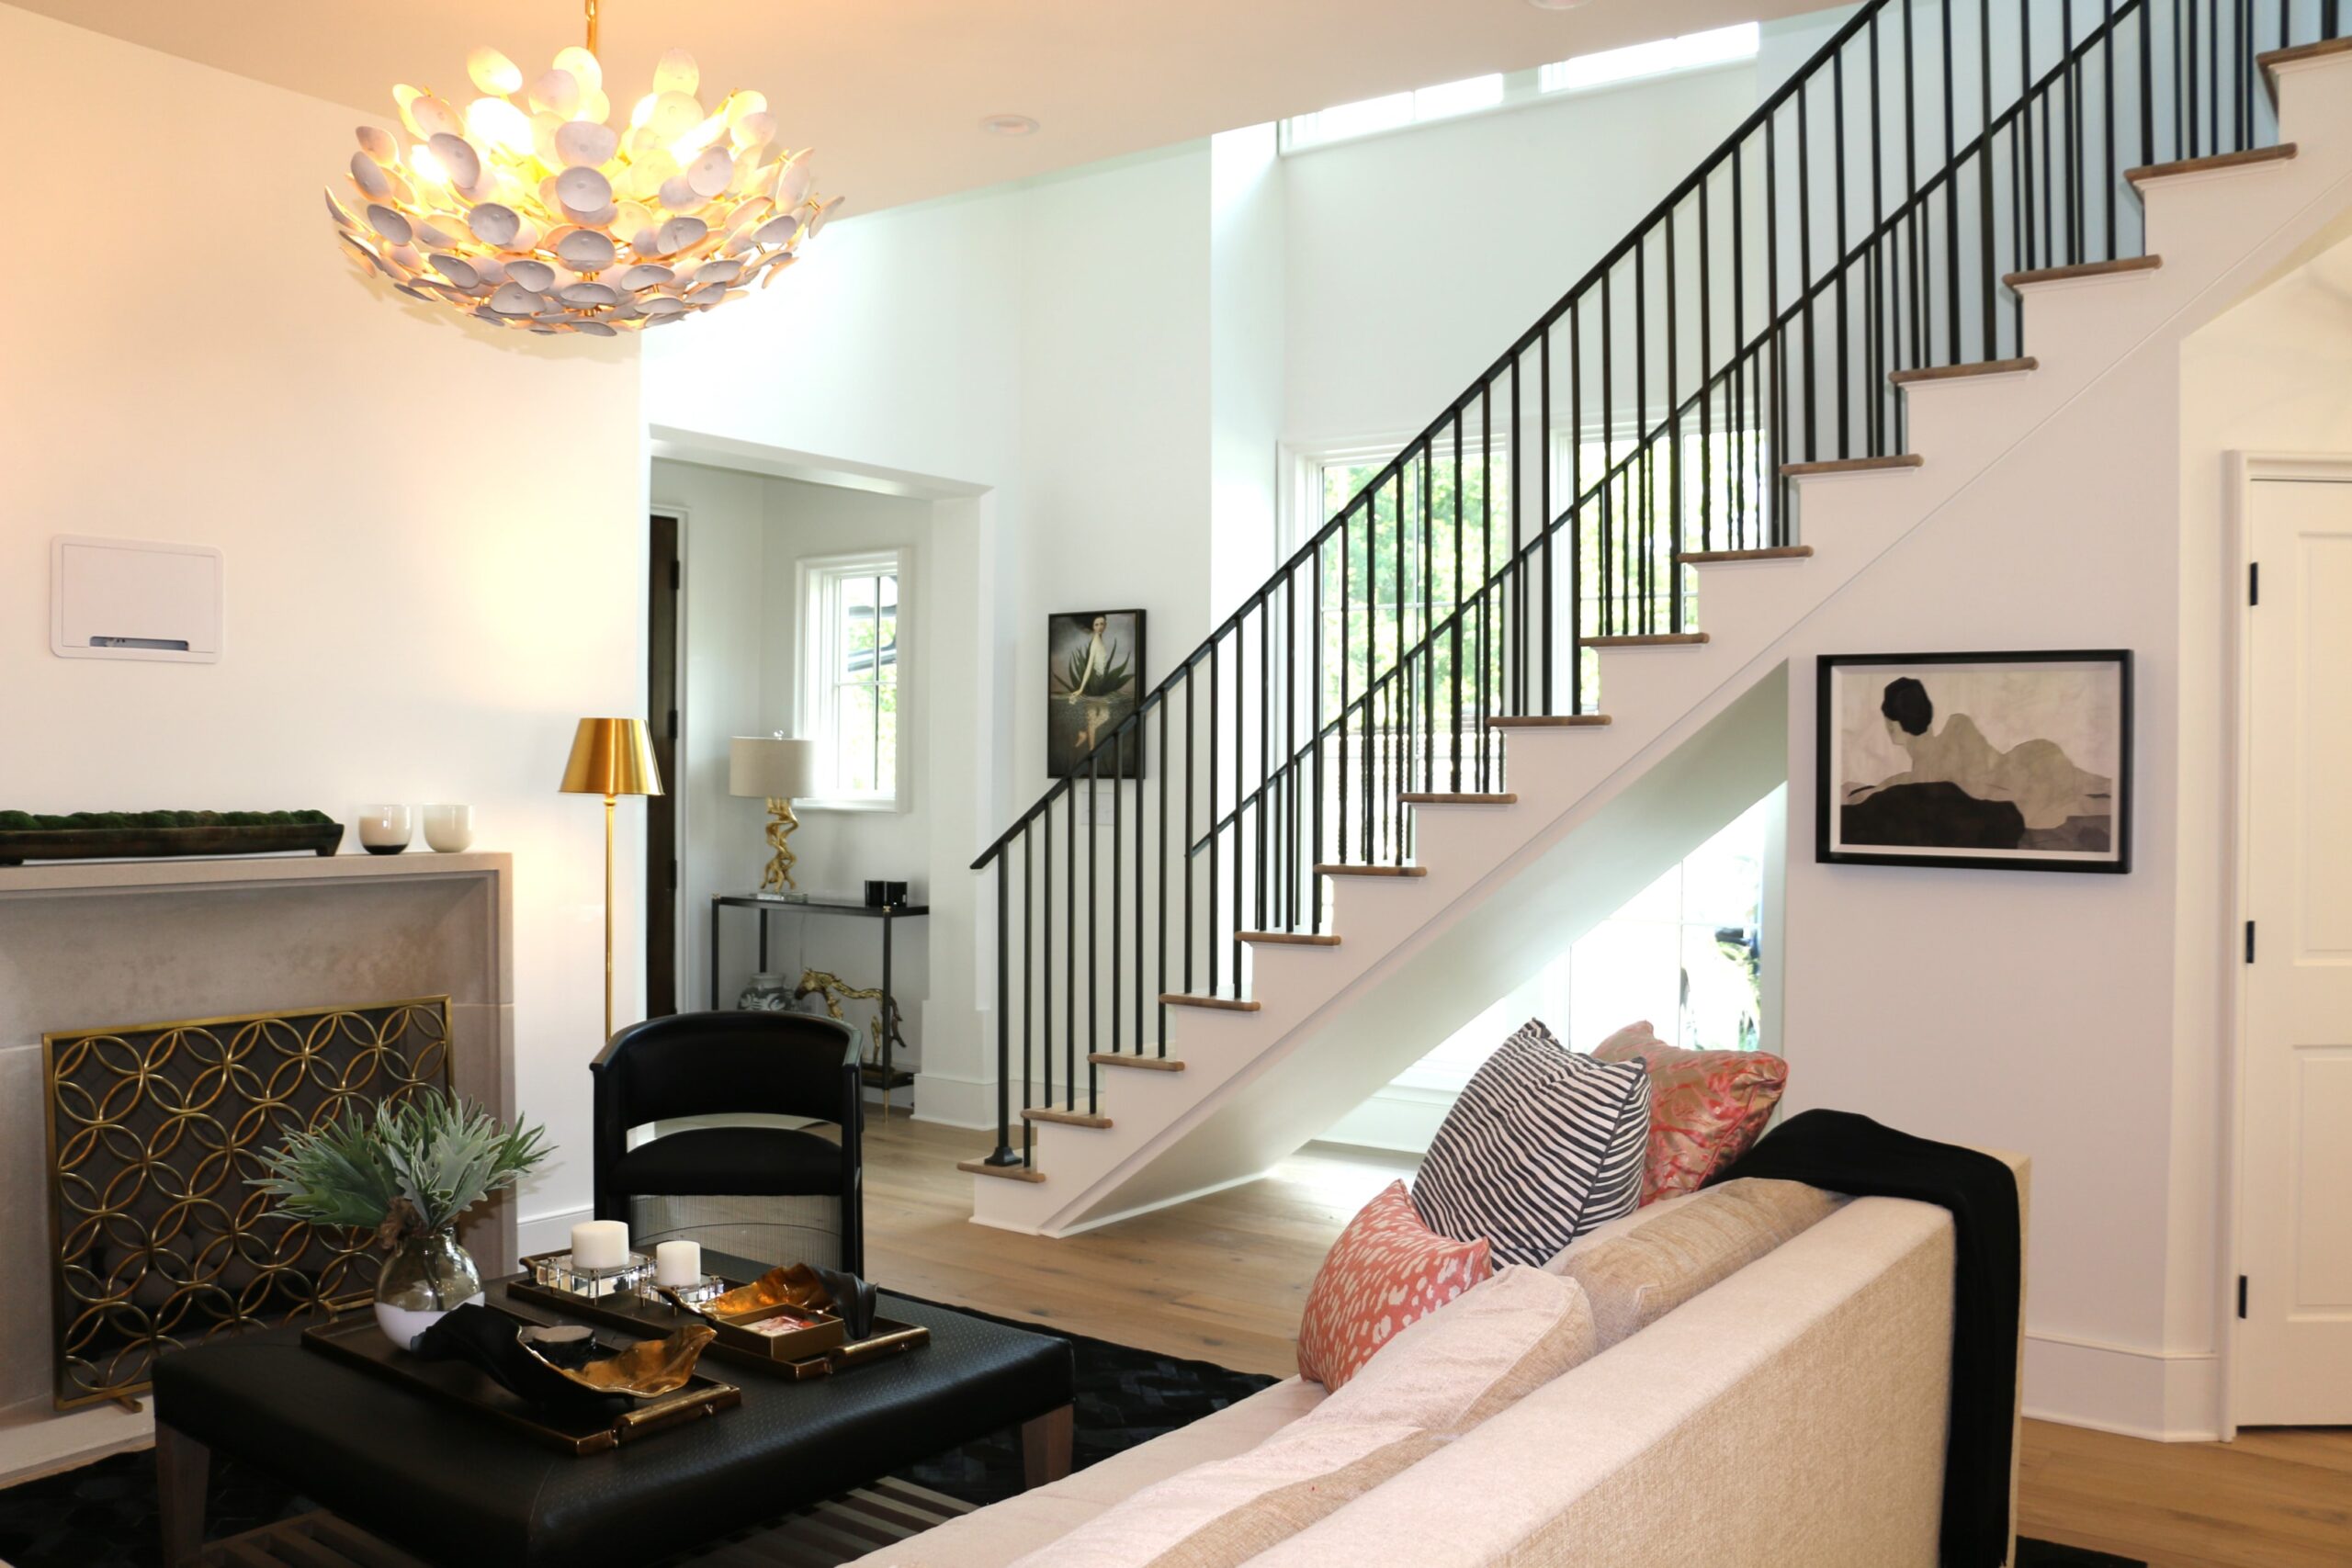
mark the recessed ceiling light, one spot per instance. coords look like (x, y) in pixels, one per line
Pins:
(1009, 125)
(1556, 5)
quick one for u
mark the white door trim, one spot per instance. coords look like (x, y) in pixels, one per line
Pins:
(2243, 471)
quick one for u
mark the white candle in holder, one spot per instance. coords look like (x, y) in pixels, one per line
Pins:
(677, 1263)
(599, 1244)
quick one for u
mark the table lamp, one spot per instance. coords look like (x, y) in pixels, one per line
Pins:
(610, 756)
(777, 768)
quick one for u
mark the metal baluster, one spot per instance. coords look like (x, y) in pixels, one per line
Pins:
(1167, 761)
(1093, 911)
(1951, 194)
(1986, 281)
(1837, 192)
(1215, 833)
(1003, 1151)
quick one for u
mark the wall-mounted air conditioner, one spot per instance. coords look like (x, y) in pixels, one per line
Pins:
(130, 599)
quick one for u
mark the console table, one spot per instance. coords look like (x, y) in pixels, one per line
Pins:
(888, 1074)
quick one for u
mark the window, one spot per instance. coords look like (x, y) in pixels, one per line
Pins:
(851, 677)
(1475, 95)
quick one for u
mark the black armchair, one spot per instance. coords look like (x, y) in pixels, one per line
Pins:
(705, 1063)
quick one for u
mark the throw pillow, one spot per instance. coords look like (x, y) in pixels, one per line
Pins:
(1386, 1269)
(1707, 1108)
(1638, 1276)
(1543, 1146)
(1435, 1380)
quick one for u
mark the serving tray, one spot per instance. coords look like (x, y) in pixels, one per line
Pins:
(591, 1428)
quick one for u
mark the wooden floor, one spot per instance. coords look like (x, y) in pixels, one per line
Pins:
(1223, 1277)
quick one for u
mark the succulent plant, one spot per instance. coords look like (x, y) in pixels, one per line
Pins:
(413, 1165)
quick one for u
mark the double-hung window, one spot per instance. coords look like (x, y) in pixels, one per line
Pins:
(852, 677)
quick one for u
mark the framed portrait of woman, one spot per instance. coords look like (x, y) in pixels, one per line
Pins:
(1095, 679)
(2014, 762)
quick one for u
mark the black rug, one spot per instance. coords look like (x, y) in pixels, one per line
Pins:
(102, 1514)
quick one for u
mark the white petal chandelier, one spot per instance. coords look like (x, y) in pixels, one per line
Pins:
(527, 210)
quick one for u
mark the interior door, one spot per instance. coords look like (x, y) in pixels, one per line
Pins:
(2294, 1361)
(663, 579)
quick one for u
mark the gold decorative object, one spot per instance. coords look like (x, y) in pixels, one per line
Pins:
(777, 768)
(153, 1129)
(832, 988)
(611, 757)
(647, 1370)
(529, 210)
(794, 1285)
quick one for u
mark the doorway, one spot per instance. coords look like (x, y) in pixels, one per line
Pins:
(2293, 1353)
(664, 579)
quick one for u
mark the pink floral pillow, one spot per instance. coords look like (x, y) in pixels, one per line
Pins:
(1707, 1108)
(1386, 1269)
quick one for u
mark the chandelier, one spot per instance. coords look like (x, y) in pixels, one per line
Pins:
(529, 210)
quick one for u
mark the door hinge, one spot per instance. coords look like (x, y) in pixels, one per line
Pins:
(674, 876)
(2249, 941)
(677, 574)
(673, 724)
(2240, 1295)
(2253, 582)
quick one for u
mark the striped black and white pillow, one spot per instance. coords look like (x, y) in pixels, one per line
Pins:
(1543, 1146)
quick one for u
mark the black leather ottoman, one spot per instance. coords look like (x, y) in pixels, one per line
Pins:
(458, 1489)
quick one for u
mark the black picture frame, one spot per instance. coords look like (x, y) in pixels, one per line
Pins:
(1075, 730)
(1832, 848)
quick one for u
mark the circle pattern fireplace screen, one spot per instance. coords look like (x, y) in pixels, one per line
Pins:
(157, 1238)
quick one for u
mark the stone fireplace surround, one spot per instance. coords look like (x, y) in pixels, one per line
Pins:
(101, 944)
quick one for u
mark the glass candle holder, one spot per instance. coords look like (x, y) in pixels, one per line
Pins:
(384, 830)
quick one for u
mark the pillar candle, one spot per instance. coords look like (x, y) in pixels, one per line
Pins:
(677, 1263)
(599, 1244)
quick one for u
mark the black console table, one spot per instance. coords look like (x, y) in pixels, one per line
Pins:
(888, 1076)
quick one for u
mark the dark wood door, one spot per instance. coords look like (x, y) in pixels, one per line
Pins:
(663, 580)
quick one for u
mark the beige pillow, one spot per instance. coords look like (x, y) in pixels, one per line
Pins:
(1438, 1379)
(1683, 1246)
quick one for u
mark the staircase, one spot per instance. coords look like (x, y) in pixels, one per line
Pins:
(1442, 717)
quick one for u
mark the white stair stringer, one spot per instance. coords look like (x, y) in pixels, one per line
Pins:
(1688, 718)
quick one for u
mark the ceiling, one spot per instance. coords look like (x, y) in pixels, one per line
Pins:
(891, 93)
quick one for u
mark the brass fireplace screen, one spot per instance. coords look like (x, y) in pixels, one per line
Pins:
(157, 1238)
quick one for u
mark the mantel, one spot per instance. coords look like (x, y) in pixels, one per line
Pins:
(243, 871)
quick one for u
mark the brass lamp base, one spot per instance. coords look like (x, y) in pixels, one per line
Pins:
(778, 875)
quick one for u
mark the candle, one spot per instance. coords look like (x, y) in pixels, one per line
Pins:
(677, 1263)
(599, 1244)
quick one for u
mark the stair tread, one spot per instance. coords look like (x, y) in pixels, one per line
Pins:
(1223, 1004)
(1129, 1059)
(1064, 1118)
(1853, 466)
(1777, 552)
(1292, 939)
(2250, 157)
(2121, 266)
(1548, 721)
(2017, 366)
(2270, 59)
(1003, 1172)
(1489, 797)
(1357, 868)
(1648, 639)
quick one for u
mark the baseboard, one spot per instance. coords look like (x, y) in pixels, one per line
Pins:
(548, 1233)
(2164, 1397)
(951, 1101)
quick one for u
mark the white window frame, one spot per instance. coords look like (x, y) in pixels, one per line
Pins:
(817, 580)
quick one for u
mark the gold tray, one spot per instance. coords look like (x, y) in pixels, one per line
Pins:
(817, 1351)
(356, 1341)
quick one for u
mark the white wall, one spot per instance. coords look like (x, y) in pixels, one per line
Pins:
(435, 535)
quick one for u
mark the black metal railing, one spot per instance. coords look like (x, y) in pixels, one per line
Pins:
(1859, 222)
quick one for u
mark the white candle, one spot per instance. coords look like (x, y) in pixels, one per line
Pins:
(677, 1263)
(599, 1244)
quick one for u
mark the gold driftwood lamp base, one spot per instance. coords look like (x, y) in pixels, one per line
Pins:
(781, 822)
(778, 769)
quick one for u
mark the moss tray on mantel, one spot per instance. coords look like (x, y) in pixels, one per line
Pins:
(162, 835)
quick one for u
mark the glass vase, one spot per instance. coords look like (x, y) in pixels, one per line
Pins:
(424, 1278)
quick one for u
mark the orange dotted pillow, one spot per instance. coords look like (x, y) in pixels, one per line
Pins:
(1707, 1108)
(1386, 1269)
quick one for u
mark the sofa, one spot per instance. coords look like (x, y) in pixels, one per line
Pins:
(1793, 1411)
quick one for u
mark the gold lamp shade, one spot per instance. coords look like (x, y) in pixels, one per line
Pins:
(611, 756)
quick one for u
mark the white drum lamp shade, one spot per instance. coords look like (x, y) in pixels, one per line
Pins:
(765, 767)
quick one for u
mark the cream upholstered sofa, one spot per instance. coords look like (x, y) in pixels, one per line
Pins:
(1792, 1413)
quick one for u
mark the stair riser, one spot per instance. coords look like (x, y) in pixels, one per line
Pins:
(2316, 101)
(2245, 199)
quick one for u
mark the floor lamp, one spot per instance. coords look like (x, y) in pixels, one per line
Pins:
(610, 756)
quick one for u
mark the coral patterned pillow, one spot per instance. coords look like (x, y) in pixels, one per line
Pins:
(1707, 1108)
(1386, 1269)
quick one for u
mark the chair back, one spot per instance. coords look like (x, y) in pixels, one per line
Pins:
(711, 1063)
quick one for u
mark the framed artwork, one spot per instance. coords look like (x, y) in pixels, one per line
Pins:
(2018, 761)
(1094, 679)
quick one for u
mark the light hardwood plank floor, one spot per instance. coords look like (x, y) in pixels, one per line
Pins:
(1225, 1277)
